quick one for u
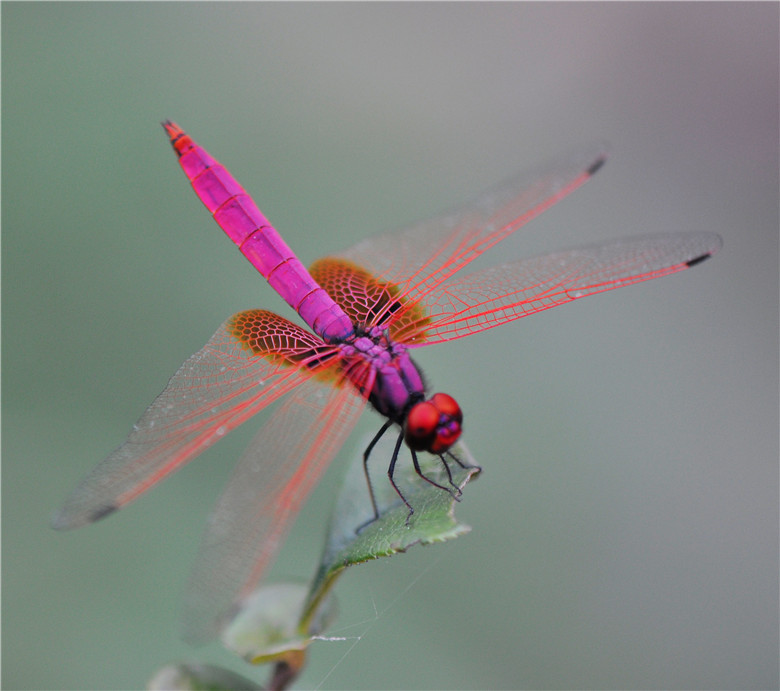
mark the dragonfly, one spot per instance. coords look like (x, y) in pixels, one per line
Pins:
(368, 309)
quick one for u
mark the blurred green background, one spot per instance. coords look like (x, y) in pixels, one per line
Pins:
(626, 525)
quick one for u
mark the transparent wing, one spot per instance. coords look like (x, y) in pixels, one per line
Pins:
(254, 358)
(421, 257)
(268, 486)
(510, 291)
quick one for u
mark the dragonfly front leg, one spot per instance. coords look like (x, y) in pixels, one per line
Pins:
(465, 466)
(454, 490)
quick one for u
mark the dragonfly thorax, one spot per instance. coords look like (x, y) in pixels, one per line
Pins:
(396, 389)
(379, 366)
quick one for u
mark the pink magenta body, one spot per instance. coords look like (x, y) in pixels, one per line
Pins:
(236, 213)
(393, 382)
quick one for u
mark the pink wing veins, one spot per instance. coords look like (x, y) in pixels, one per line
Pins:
(214, 391)
(420, 258)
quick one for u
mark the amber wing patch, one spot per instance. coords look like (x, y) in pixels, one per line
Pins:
(369, 301)
(283, 342)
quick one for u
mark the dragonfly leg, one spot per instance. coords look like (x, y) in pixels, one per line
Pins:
(454, 493)
(449, 474)
(465, 466)
(391, 471)
(366, 455)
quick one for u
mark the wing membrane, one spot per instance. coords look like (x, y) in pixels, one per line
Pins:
(421, 257)
(510, 291)
(367, 300)
(269, 484)
(228, 381)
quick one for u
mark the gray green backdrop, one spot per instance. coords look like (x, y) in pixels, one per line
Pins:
(625, 528)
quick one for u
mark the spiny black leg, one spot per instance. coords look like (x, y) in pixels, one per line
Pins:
(449, 474)
(433, 482)
(391, 470)
(366, 455)
(465, 466)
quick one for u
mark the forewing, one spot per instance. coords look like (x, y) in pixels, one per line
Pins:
(367, 300)
(421, 257)
(263, 496)
(252, 359)
(509, 291)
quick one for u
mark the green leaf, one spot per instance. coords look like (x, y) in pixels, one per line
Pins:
(278, 622)
(395, 530)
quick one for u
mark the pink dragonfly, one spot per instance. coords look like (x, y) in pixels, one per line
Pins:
(367, 309)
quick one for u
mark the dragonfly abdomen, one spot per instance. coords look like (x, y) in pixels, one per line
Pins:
(236, 213)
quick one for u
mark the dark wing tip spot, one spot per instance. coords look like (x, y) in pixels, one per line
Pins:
(69, 519)
(698, 260)
(594, 167)
(102, 512)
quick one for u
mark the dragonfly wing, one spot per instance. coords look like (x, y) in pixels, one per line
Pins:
(419, 258)
(268, 486)
(509, 291)
(367, 300)
(252, 359)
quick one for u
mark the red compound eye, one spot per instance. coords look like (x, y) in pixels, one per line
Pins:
(433, 425)
(420, 426)
(448, 406)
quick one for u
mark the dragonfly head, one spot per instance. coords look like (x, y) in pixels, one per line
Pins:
(433, 425)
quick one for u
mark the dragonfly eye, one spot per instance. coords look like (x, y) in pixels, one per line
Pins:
(433, 425)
